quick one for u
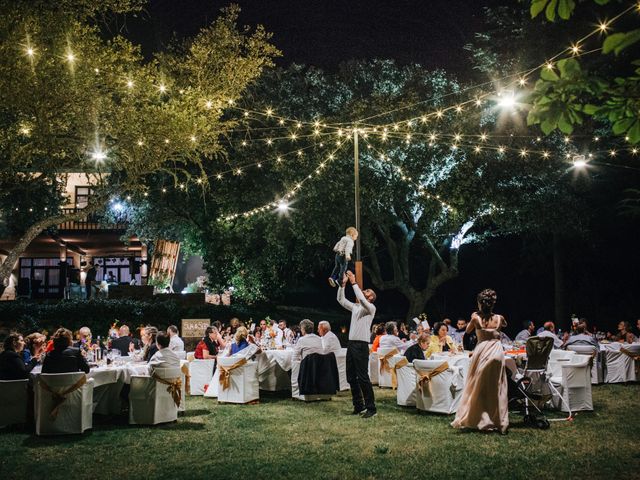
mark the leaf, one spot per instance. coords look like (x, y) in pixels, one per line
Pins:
(634, 133)
(565, 8)
(602, 2)
(537, 6)
(564, 124)
(549, 75)
(550, 12)
(547, 126)
(590, 109)
(569, 68)
(622, 125)
(619, 41)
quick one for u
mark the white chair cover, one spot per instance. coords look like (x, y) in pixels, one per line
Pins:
(593, 351)
(341, 360)
(384, 376)
(373, 368)
(620, 367)
(74, 414)
(575, 386)
(149, 401)
(200, 371)
(182, 355)
(14, 399)
(243, 382)
(557, 358)
(214, 385)
(406, 376)
(441, 394)
(295, 389)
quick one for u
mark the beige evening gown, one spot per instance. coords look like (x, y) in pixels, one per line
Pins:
(484, 402)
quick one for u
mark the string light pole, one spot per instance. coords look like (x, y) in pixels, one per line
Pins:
(356, 176)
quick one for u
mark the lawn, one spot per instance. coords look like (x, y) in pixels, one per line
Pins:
(282, 438)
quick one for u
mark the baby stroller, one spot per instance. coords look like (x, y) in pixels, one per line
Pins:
(533, 389)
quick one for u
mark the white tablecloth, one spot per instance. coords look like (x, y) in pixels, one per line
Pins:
(273, 368)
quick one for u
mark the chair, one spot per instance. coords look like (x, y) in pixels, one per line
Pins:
(373, 368)
(200, 372)
(238, 380)
(575, 385)
(384, 370)
(341, 359)
(295, 387)
(14, 400)
(156, 399)
(557, 358)
(214, 385)
(182, 355)
(438, 386)
(63, 403)
(406, 380)
(621, 366)
(592, 351)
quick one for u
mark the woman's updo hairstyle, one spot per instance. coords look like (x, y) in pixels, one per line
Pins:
(486, 300)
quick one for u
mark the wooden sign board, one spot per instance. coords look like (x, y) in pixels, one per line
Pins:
(194, 327)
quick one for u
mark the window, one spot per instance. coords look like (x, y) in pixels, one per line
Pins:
(82, 196)
(43, 275)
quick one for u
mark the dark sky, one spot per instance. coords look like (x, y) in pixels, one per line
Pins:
(326, 32)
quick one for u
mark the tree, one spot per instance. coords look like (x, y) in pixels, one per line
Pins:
(73, 100)
(422, 200)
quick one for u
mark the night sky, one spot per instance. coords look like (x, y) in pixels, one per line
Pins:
(326, 32)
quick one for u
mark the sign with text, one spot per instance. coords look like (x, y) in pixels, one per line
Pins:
(194, 327)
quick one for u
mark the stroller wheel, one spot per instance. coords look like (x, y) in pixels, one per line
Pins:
(530, 420)
(542, 423)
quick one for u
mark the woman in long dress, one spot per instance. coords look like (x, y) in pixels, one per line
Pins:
(484, 402)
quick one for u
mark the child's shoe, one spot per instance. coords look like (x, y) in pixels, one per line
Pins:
(332, 282)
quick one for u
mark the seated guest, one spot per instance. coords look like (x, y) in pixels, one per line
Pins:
(550, 331)
(207, 348)
(243, 345)
(390, 339)
(416, 351)
(461, 328)
(176, 344)
(379, 331)
(581, 337)
(64, 358)
(450, 329)
(84, 338)
(12, 365)
(240, 340)
(528, 329)
(164, 357)
(403, 331)
(469, 341)
(504, 338)
(330, 342)
(309, 342)
(148, 336)
(35, 345)
(440, 342)
(125, 343)
(287, 333)
(624, 333)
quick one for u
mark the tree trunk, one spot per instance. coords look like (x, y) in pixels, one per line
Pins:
(559, 282)
(417, 302)
(32, 232)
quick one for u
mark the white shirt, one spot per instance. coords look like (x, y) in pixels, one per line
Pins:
(582, 339)
(279, 337)
(306, 345)
(176, 344)
(523, 336)
(330, 342)
(163, 358)
(557, 343)
(344, 246)
(361, 314)
(392, 341)
(287, 335)
(457, 336)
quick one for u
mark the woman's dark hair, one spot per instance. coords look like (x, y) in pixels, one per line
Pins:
(380, 329)
(438, 326)
(62, 339)
(11, 342)
(486, 300)
(212, 346)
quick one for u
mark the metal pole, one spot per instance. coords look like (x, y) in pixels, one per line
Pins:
(356, 171)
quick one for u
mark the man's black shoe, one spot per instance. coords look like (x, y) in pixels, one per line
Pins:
(369, 414)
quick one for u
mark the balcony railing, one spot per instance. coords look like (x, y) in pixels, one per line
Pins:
(92, 221)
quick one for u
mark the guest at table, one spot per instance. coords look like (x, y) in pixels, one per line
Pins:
(527, 331)
(148, 336)
(403, 331)
(330, 342)
(125, 343)
(309, 342)
(461, 328)
(550, 331)
(287, 333)
(35, 345)
(209, 346)
(84, 338)
(390, 338)
(416, 351)
(176, 344)
(64, 358)
(450, 329)
(378, 335)
(440, 342)
(164, 357)
(243, 345)
(12, 365)
(234, 324)
(581, 337)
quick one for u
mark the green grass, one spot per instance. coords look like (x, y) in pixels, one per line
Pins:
(281, 438)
